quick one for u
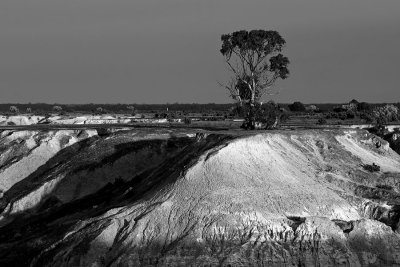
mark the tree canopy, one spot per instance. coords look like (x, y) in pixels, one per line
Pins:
(255, 59)
(256, 63)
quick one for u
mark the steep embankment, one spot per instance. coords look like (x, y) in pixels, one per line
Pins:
(22, 152)
(20, 120)
(129, 199)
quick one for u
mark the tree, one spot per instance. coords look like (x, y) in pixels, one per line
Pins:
(99, 110)
(132, 110)
(297, 106)
(14, 109)
(57, 108)
(364, 106)
(386, 114)
(256, 63)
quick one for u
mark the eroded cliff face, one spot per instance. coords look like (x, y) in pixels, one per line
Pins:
(281, 198)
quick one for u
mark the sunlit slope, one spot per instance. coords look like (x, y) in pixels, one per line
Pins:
(285, 197)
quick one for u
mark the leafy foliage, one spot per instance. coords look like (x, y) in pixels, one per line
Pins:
(57, 108)
(321, 121)
(268, 115)
(385, 114)
(372, 167)
(297, 106)
(14, 109)
(255, 59)
(256, 62)
(363, 106)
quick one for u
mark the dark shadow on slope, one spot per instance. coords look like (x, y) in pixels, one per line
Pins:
(36, 178)
(391, 137)
(28, 236)
(346, 226)
(65, 161)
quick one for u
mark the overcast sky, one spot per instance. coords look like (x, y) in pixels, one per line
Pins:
(158, 51)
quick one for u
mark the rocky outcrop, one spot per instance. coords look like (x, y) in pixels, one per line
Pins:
(283, 198)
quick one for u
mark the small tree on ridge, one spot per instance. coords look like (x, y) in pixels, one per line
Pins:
(256, 63)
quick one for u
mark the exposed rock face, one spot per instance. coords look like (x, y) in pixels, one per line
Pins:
(284, 198)
(22, 152)
(19, 120)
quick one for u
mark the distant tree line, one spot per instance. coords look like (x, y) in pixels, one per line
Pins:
(194, 107)
(114, 108)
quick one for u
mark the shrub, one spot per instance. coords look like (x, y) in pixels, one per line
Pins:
(372, 167)
(14, 109)
(187, 120)
(267, 114)
(363, 106)
(342, 116)
(385, 114)
(332, 115)
(338, 109)
(57, 109)
(99, 110)
(132, 110)
(367, 117)
(378, 130)
(321, 121)
(384, 186)
(297, 106)
(350, 115)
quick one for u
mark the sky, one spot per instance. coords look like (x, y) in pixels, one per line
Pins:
(167, 51)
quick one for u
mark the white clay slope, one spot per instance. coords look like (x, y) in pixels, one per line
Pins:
(260, 200)
(35, 149)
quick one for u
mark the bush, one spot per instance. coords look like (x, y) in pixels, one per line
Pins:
(332, 115)
(339, 109)
(385, 114)
(14, 109)
(57, 108)
(267, 114)
(342, 116)
(350, 115)
(132, 110)
(367, 117)
(363, 106)
(379, 130)
(297, 106)
(187, 120)
(99, 110)
(372, 167)
(321, 121)
(384, 186)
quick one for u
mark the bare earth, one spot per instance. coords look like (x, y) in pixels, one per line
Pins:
(180, 197)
